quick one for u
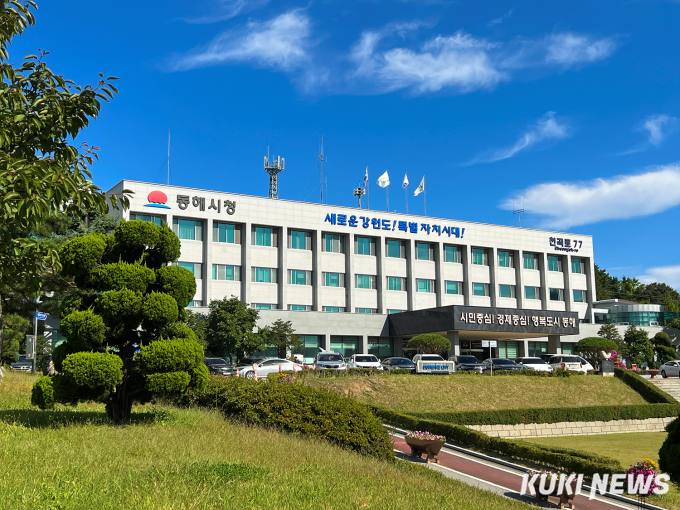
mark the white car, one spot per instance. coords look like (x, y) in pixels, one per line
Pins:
(364, 361)
(262, 369)
(535, 364)
(670, 369)
(570, 362)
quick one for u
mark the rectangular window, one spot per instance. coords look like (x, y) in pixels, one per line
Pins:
(226, 272)
(532, 292)
(367, 311)
(264, 306)
(380, 347)
(226, 233)
(264, 274)
(299, 277)
(333, 309)
(196, 268)
(480, 256)
(530, 260)
(346, 345)
(333, 242)
(480, 289)
(508, 349)
(537, 348)
(156, 219)
(195, 303)
(396, 283)
(190, 230)
(364, 245)
(424, 251)
(300, 308)
(506, 291)
(299, 240)
(334, 279)
(365, 281)
(309, 346)
(506, 258)
(396, 249)
(424, 285)
(579, 296)
(391, 311)
(263, 236)
(452, 253)
(556, 294)
(454, 287)
(554, 263)
(578, 265)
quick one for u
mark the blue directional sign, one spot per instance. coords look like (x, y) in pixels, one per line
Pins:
(41, 316)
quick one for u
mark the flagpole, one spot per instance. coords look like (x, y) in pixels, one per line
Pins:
(387, 195)
(425, 200)
(406, 198)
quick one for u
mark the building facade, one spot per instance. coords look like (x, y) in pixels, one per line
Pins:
(338, 273)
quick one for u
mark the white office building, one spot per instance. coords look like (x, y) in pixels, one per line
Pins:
(359, 280)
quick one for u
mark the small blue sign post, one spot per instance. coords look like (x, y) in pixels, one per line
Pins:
(40, 316)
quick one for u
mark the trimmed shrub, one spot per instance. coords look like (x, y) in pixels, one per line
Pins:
(84, 328)
(669, 454)
(170, 356)
(133, 237)
(178, 282)
(649, 391)
(120, 307)
(121, 275)
(158, 310)
(200, 376)
(80, 255)
(167, 383)
(94, 370)
(429, 343)
(166, 250)
(301, 409)
(560, 459)
(42, 394)
(591, 347)
(179, 330)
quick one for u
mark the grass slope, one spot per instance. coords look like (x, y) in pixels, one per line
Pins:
(174, 458)
(470, 392)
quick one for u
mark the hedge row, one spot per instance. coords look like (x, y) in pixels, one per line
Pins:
(554, 414)
(649, 391)
(560, 459)
(300, 409)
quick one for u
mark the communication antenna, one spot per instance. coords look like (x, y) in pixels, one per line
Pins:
(519, 211)
(168, 155)
(359, 192)
(322, 170)
(273, 168)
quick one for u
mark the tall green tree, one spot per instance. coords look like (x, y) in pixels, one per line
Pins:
(610, 332)
(231, 329)
(280, 334)
(591, 348)
(44, 169)
(15, 329)
(126, 339)
(637, 348)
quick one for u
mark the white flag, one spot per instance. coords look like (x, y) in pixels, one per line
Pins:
(384, 180)
(420, 188)
(366, 177)
(405, 182)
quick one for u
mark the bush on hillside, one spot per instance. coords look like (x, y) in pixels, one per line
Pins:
(649, 391)
(300, 409)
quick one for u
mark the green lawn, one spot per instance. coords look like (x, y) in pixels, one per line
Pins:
(627, 448)
(179, 458)
(471, 392)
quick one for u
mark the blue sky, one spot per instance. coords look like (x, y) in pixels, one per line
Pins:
(569, 110)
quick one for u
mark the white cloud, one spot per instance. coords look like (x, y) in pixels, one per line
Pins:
(669, 275)
(569, 49)
(548, 127)
(281, 43)
(227, 9)
(563, 205)
(658, 127)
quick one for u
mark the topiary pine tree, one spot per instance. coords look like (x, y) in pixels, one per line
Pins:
(429, 343)
(124, 323)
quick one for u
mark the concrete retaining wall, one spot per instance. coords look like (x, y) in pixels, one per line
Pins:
(577, 428)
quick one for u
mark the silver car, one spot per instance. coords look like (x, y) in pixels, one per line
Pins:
(670, 369)
(329, 361)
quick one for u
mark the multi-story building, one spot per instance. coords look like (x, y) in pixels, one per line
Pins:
(351, 279)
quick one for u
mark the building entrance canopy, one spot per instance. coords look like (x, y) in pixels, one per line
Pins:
(484, 322)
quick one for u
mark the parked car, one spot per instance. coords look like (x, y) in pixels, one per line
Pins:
(219, 366)
(398, 364)
(364, 361)
(23, 364)
(501, 364)
(250, 361)
(329, 361)
(268, 366)
(547, 355)
(534, 363)
(670, 369)
(571, 363)
(433, 364)
(468, 363)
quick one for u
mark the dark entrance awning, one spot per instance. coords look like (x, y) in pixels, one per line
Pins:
(484, 321)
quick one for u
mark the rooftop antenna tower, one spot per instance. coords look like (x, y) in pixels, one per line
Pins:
(519, 211)
(322, 170)
(359, 192)
(273, 167)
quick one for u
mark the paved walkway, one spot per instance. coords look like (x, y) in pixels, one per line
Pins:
(494, 477)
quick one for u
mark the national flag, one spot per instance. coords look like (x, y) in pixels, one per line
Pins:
(405, 183)
(384, 180)
(421, 187)
(366, 177)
